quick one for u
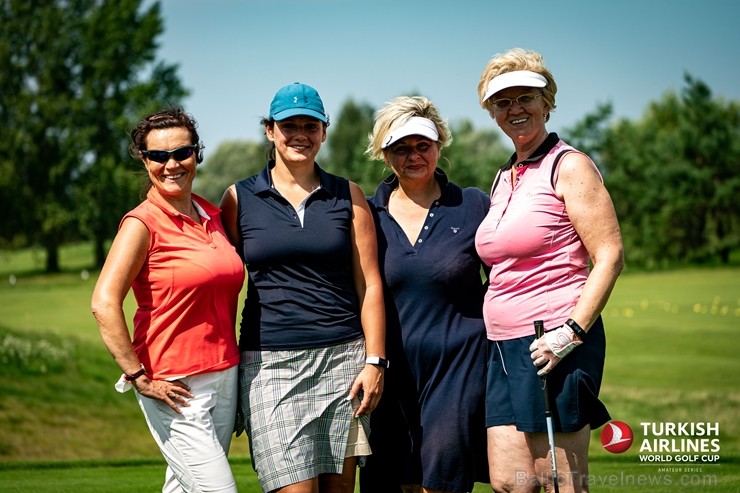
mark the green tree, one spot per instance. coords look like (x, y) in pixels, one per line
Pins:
(72, 85)
(673, 178)
(347, 141)
(36, 123)
(589, 134)
(474, 157)
(231, 162)
(710, 132)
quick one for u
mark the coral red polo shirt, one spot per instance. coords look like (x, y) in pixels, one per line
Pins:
(187, 291)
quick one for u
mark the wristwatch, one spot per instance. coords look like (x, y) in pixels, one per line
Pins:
(577, 329)
(377, 361)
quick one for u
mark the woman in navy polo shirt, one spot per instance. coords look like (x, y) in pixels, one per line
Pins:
(313, 328)
(429, 428)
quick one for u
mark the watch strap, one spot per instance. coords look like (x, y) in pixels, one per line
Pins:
(577, 329)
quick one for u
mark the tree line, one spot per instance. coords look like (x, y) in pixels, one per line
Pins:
(75, 76)
(71, 86)
(673, 174)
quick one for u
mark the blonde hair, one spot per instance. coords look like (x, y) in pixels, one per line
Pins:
(513, 60)
(396, 113)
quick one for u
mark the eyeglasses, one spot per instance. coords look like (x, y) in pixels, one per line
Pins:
(523, 100)
(180, 154)
(404, 151)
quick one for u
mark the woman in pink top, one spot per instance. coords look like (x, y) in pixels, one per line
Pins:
(550, 215)
(173, 252)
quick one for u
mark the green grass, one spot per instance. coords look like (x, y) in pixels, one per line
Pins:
(672, 357)
(140, 475)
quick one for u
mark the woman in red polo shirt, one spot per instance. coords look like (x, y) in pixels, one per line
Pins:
(186, 277)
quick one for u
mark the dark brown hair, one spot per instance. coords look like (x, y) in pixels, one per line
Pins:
(173, 117)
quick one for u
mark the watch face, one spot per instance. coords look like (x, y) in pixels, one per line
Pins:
(375, 360)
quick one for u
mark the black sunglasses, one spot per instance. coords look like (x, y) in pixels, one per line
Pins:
(180, 154)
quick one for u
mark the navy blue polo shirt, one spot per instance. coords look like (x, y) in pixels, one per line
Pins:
(301, 291)
(434, 287)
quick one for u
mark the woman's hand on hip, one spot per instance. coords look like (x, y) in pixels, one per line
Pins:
(174, 393)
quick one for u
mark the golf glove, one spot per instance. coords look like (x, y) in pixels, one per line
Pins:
(561, 341)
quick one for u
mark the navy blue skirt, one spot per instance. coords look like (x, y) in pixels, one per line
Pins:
(514, 391)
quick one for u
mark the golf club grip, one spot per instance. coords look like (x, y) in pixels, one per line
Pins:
(539, 328)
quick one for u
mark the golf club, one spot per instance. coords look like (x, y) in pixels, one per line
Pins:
(539, 330)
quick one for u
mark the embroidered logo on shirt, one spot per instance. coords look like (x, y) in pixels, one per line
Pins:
(454, 229)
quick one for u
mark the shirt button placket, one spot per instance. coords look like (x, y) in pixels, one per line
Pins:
(426, 226)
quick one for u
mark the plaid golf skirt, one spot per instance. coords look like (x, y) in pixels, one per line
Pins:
(296, 412)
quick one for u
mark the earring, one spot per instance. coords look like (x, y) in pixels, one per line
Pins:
(382, 171)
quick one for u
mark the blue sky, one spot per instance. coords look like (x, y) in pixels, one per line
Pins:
(233, 55)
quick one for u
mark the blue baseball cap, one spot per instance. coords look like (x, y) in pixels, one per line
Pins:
(297, 99)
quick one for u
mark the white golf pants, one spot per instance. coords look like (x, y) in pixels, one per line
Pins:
(195, 443)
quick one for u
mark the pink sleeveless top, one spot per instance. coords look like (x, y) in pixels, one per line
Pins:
(538, 262)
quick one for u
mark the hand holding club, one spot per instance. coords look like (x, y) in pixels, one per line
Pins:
(553, 346)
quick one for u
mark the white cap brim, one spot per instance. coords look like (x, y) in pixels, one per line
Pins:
(416, 125)
(518, 78)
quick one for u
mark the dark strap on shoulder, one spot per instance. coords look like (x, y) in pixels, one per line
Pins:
(555, 165)
(552, 173)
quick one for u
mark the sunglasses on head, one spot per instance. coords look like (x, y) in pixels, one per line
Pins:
(179, 154)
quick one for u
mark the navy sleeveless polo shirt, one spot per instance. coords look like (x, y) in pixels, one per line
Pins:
(301, 292)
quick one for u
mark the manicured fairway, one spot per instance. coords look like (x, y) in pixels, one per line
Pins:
(671, 358)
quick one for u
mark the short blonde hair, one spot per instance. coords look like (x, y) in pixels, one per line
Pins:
(512, 60)
(396, 113)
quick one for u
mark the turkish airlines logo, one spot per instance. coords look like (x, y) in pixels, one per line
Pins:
(616, 437)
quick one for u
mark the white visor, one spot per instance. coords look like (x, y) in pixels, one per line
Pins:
(416, 125)
(519, 78)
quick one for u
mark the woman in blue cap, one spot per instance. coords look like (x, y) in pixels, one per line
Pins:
(313, 327)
